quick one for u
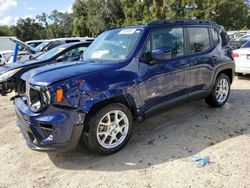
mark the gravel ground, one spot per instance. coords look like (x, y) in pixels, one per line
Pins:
(158, 155)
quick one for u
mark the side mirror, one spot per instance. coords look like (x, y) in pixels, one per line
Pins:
(146, 57)
(161, 54)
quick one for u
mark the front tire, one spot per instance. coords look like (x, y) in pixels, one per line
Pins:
(220, 92)
(109, 129)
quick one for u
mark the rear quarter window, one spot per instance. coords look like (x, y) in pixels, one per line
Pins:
(199, 39)
(215, 36)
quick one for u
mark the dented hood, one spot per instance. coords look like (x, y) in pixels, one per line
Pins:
(50, 74)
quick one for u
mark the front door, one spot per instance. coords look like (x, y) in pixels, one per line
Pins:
(165, 79)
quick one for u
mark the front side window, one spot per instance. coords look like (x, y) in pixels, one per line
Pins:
(75, 53)
(113, 46)
(170, 38)
(199, 39)
(51, 53)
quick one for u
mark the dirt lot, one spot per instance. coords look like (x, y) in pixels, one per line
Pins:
(158, 155)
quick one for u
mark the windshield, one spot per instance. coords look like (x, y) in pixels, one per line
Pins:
(51, 53)
(113, 46)
(244, 38)
(41, 46)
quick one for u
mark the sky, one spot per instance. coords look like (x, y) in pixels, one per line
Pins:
(12, 10)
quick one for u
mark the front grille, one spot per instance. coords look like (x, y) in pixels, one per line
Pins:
(47, 129)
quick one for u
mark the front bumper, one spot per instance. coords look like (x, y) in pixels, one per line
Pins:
(55, 129)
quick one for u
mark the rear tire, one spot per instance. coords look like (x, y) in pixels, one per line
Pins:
(220, 92)
(109, 129)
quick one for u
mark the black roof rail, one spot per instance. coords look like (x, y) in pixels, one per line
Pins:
(180, 20)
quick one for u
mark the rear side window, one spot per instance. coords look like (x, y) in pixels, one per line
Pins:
(199, 39)
(55, 44)
(215, 36)
(70, 41)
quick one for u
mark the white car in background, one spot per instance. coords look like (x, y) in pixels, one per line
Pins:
(242, 59)
(34, 43)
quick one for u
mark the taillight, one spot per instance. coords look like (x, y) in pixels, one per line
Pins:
(59, 95)
(235, 55)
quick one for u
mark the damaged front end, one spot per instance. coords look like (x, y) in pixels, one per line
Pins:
(18, 86)
(9, 84)
(45, 126)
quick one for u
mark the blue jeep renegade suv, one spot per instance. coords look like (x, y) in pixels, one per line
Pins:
(125, 74)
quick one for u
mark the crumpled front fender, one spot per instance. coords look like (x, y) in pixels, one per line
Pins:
(84, 93)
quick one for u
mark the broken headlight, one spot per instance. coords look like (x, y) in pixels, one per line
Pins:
(38, 98)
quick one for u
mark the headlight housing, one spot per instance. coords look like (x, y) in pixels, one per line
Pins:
(5, 76)
(38, 98)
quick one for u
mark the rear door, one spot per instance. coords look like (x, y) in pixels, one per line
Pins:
(203, 57)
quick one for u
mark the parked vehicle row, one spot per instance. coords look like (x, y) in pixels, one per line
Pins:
(10, 74)
(32, 49)
(124, 75)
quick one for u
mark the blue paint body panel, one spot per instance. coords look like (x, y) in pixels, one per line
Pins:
(86, 84)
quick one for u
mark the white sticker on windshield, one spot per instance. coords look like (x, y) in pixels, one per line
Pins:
(127, 32)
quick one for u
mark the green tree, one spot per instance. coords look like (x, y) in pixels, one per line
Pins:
(29, 29)
(80, 16)
(230, 14)
(6, 31)
(136, 11)
(43, 19)
(96, 16)
(60, 26)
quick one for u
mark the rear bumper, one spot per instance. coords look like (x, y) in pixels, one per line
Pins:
(55, 130)
(244, 70)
